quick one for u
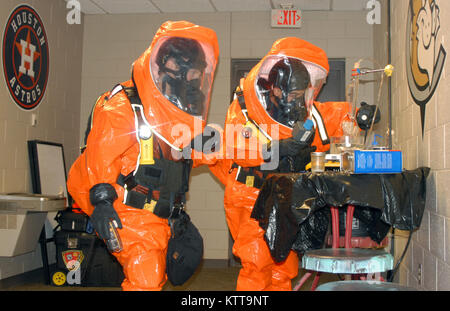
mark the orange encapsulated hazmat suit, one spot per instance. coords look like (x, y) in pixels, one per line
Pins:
(132, 172)
(242, 173)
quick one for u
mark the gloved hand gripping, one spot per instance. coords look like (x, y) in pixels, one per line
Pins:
(102, 197)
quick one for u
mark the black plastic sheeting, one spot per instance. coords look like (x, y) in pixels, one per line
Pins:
(293, 208)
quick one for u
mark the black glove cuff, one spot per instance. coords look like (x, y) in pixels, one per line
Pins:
(102, 193)
(287, 147)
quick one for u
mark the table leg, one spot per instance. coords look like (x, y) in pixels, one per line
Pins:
(302, 281)
(335, 226)
(315, 282)
(348, 226)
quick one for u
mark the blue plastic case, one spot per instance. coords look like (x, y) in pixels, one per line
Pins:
(377, 161)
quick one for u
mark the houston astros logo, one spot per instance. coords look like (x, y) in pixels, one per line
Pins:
(425, 55)
(25, 57)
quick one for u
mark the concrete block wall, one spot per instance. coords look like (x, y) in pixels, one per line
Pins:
(430, 246)
(112, 42)
(342, 34)
(58, 114)
(381, 56)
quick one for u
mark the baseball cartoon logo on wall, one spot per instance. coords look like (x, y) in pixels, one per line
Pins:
(25, 57)
(425, 54)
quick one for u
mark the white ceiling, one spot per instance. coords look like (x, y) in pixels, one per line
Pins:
(186, 6)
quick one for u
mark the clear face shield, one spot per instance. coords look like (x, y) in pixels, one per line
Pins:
(182, 69)
(318, 77)
(286, 87)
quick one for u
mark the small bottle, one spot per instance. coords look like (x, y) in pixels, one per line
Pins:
(115, 243)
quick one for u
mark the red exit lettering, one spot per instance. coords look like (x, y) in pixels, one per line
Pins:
(288, 17)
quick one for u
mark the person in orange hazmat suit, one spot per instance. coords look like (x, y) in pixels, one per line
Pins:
(134, 170)
(273, 107)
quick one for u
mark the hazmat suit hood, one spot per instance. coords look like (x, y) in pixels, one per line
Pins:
(175, 101)
(312, 57)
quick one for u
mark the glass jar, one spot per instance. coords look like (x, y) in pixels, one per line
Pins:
(318, 162)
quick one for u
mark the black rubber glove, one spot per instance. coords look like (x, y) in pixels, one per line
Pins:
(304, 132)
(206, 142)
(290, 147)
(294, 152)
(303, 158)
(302, 136)
(102, 197)
(297, 163)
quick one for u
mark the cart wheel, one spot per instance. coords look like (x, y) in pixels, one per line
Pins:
(59, 278)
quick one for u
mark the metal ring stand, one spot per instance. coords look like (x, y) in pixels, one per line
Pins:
(360, 263)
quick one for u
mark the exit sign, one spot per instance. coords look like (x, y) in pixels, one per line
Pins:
(287, 18)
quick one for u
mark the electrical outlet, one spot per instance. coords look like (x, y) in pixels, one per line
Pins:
(420, 274)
